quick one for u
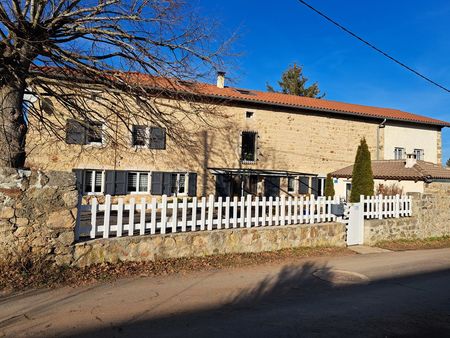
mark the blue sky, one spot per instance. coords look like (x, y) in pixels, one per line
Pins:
(274, 34)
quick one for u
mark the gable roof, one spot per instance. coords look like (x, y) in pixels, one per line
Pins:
(395, 170)
(284, 100)
(254, 96)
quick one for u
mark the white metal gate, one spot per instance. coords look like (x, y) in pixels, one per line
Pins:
(355, 224)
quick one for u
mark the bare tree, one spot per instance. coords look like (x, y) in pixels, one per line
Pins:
(64, 50)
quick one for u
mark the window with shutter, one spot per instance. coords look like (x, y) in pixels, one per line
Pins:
(157, 138)
(137, 182)
(419, 154)
(192, 184)
(120, 182)
(291, 184)
(399, 153)
(75, 132)
(157, 183)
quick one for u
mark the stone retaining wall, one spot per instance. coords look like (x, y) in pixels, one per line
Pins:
(431, 218)
(192, 244)
(37, 215)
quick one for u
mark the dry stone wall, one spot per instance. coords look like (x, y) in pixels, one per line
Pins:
(431, 217)
(37, 215)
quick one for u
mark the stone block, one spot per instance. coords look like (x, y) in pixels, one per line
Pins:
(6, 212)
(61, 220)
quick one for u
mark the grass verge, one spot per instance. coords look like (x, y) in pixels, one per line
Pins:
(416, 244)
(32, 272)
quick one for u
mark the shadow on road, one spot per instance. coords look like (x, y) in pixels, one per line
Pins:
(295, 303)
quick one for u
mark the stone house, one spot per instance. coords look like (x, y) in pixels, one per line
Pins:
(253, 142)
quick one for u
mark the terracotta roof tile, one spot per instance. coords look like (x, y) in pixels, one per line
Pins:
(255, 96)
(395, 170)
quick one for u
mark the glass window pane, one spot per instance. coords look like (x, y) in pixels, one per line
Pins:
(95, 132)
(98, 181)
(132, 182)
(143, 182)
(291, 184)
(248, 146)
(139, 135)
(182, 184)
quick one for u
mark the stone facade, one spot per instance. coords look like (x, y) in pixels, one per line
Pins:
(431, 217)
(287, 140)
(204, 243)
(37, 215)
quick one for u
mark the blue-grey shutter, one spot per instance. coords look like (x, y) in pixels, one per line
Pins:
(192, 184)
(272, 186)
(167, 184)
(79, 174)
(110, 182)
(303, 185)
(223, 185)
(75, 132)
(120, 186)
(157, 183)
(157, 138)
(315, 186)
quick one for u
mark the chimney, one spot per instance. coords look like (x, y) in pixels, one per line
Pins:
(410, 160)
(220, 79)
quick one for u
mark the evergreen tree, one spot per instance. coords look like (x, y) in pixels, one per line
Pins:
(294, 82)
(329, 186)
(362, 176)
(447, 164)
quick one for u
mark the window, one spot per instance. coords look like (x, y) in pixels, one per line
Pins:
(291, 184)
(94, 132)
(399, 153)
(249, 114)
(179, 186)
(248, 146)
(137, 182)
(419, 154)
(139, 136)
(93, 182)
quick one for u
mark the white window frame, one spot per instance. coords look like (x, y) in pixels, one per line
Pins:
(147, 137)
(186, 184)
(93, 192)
(421, 153)
(97, 144)
(295, 179)
(403, 150)
(138, 183)
(321, 186)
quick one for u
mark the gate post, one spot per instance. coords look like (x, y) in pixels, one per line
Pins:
(355, 226)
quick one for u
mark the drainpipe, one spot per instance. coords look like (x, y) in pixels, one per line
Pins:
(380, 126)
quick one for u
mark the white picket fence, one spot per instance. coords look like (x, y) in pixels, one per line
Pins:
(386, 206)
(197, 214)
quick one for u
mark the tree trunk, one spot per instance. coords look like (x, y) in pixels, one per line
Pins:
(13, 127)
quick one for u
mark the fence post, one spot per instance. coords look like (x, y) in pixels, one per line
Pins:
(194, 214)
(142, 219)
(219, 212)
(203, 213)
(311, 209)
(184, 207)
(119, 217)
(227, 212)
(235, 211)
(270, 211)
(283, 210)
(94, 208)
(397, 206)
(277, 210)
(153, 215)
(210, 212)
(174, 214)
(242, 210)
(263, 211)
(249, 211)
(256, 211)
(301, 209)
(78, 221)
(163, 214)
(106, 219)
(131, 217)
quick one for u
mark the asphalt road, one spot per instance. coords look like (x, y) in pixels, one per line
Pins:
(402, 294)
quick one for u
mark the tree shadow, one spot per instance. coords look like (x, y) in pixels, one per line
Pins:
(295, 303)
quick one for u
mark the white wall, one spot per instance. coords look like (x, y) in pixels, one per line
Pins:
(410, 138)
(408, 186)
